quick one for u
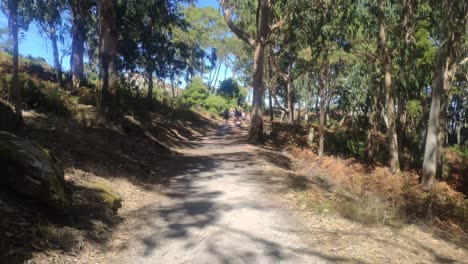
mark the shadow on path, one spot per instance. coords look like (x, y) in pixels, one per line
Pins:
(215, 211)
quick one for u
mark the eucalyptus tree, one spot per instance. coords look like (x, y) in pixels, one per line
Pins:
(386, 68)
(48, 16)
(284, 58)
(107, 94)
(18, 18)
(253, 22)
(147, 34)
(205, 29)
(82, 18)
(320, 28)
(450, 55)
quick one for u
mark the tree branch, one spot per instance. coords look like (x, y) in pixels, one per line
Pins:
(278, 70)
(277, 102)
(237, 31)
(277, 25)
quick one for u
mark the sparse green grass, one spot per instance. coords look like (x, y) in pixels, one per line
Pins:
(109, 197)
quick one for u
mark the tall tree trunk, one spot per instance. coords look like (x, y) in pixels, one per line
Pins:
(443, 74)
(55, 52)
(150, 83)
(14, 93)
(172, 85)
(442, 136)
(263, 19)
(225, 71)
(298, 118)
(458, 132)
(202, 63)
(107, 104)
(256, 125)
(390, 108)
(290, 100)
(270, 102)
(372, 132)
(216, 78)
(79, 13)
(323, 107)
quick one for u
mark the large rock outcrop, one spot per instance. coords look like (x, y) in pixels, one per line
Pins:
(30, 170)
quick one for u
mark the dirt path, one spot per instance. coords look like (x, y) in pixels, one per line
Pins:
(216, 212)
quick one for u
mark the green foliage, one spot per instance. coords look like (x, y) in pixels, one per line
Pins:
(195, 93)
(346, 142)
(216, 104)
(229, 89)
(47, 96)
(415, 111)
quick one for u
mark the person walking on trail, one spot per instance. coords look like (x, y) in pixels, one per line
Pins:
(237, 115)
(226, 115)
(232, 114)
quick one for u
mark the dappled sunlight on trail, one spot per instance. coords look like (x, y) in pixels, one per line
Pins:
(215, 211)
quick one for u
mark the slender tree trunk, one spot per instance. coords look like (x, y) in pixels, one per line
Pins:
(390, 109)
(79, 10)
(458, 131)
(210, 79)
(150, 83)
(233, 73)
(316, 107)
(372, 132)
(202, 67)
(172, 85)
(256, 125)
(290, 100)
(298, 118)
(270, 102)
(14, 93)
(107, 104)
(263, 20)
(55, 52)
(443, 74)
(323, 105)
(216, 78)
(225, 71)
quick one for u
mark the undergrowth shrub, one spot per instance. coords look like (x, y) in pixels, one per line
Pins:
(379, 196)
(133, 104)
(86, 96)
(216, 104)
(346, 143)
(47, 96)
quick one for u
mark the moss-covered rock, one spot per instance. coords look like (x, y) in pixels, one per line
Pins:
(32, 171)
(106, 195)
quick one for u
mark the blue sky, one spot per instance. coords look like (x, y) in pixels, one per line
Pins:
(32, 43)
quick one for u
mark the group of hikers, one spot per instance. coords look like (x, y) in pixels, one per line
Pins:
(235, 114)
